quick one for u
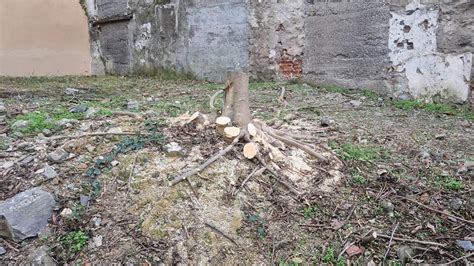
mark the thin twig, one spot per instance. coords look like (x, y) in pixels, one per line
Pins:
(97, 134)
(203, 166)
(438, 211)
(390, 242)
(222, 233)
(255, 172)
(279, 178)
(412, 240)
(10, 246)
(461, 258)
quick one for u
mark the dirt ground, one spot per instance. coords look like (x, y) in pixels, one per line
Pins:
(405, 195)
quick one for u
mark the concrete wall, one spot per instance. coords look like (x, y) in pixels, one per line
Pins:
(408, 49)
(43, 37)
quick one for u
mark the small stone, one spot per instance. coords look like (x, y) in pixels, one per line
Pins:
(82, 167)
(71, 91)
(405, 253)
(440, 136)
(2, 251)
(455, 204)
(49, 172)
(8, 165)
(91, 112)
(97, 240)
(84, 200)
(40, 257)
(355, 103)
(47, 132)
(96, 221)
(58, 156)
(66, 212)
(389, 208)
(2, 118)
(465, 244)
(20, 124)
(173, 149)
(3, 109)
(132, 104)
(78, 109)
(65, 122)
(25, 160)
(114, 163)
(289, 117)
(326, 121)
(149, 99)
(425, 154)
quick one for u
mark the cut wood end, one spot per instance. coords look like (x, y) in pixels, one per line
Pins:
(250, 150)
(223, 121)
(252, 130)
(231, 132)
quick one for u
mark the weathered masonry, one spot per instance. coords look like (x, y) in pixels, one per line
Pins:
(408, 49)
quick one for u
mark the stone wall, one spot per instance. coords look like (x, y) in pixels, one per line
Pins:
(418, 48)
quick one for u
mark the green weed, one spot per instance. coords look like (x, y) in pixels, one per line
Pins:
(449, 183)
(309, 212)
(358, 179)
(74, 241)
(435, 108)
(328, 255)
(350, 151)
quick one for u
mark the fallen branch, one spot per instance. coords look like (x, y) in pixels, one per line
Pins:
(279, 178)
(125, 113)
(412, 240)
(97, 134)
(298, 145)
(207, 163)
(390, 242)
(438, 211)
(461, 258)
(222, 233)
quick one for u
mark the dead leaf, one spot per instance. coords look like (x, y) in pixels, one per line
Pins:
(354, 250)
(418, 228)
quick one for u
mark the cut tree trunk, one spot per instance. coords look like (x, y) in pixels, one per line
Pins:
(236, 100)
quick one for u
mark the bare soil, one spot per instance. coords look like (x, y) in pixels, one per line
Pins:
(409, 169)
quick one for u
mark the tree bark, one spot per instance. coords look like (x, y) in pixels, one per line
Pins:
(236, 105)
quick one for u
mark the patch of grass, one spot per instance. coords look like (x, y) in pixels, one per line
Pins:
(309, 212)
(435, 108)
(350, 151)
(358, 179)
(263, 85)
(449, 183)
(74, 241)
(329, 256)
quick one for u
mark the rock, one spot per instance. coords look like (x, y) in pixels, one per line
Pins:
(355, 103)
(49, 172)
(66, 212)
(8, 165)
(465, 244)
(20, 124)
(25, 160)
(71, 91)
(114, 163)
(425, 154)
(173, 149)
(78, 109)
(91, 112)
(65, 122)
(2, 118)
(455, 204)
(47, 132)
(84, 200)
(389, 208)
(26, 213)
(289, 117)
(440, 136)
(58, 156)
(132, 104)
(326, 121)
(40, 257)
(2, 251)
(405, 253)
(96, 221)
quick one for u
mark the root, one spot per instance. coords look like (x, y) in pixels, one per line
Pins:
(203, 166)
(279, 178)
